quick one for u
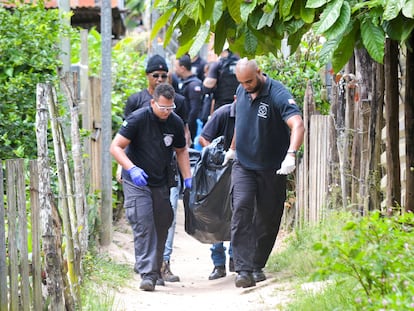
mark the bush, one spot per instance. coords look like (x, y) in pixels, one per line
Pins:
(29, 38)
(376, 251)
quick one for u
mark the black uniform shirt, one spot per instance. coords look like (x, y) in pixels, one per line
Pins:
(262, 136)
(152, 142)
(143, 99)
(221, 123)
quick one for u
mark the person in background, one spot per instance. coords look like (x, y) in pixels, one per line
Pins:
(221, 82)
(144, 148)
(191, 88)
(268, 132)
(157, 73)
(197, 66)
(221, 123)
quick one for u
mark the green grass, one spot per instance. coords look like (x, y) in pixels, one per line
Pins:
(102, 278)
(363, 262)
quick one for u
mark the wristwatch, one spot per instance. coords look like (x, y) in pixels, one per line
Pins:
(292, 151)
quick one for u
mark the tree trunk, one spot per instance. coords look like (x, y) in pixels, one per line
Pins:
(409, 127)
(52, 259)
(392, 125)
(373, 166)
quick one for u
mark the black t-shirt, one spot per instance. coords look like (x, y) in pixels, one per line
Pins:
(263, 136)
(152, 143)
(197, 67)
(191, 89)
(221, 123)
(224, 72)
(143, 99)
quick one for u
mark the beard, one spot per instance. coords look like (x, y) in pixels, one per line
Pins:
(259, 85)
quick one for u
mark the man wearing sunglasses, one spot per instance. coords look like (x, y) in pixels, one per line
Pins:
(157, 73)
(144, 147)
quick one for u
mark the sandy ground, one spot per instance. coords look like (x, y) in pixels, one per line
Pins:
(191, 262)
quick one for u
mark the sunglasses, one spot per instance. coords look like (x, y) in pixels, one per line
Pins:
(163, 108)
(157, 75)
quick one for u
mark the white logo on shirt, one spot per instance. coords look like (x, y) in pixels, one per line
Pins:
(168, 139)
(262, 111)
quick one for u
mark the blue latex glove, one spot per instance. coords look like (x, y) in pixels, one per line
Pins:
(138, 176)
(187, 183)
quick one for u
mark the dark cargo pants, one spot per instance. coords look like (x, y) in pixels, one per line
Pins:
(149, 212)
(258, 199)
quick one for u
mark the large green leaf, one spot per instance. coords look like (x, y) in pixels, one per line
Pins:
(217, 12)
(206, 12)
(188, 31)
(250, 42)
(344, 50)
(267, 19)
(161, 22)
(329, 16)
(341, 23)
(328, 48)
(233, 6)
(314, 4)
(285, 8)
(408, 9)
(392, 9)
(200, 39)
(399, 28)
(222, 28)
(246, 8)
(307, 14)
(373, 38)
(295, 38)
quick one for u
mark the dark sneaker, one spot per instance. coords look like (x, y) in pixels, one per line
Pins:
(147, 285)
(218, 272)
(166, 273)
(160, 282)
(231, 265)
(259, 275)
(245, 279)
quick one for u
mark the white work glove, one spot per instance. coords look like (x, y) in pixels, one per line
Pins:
(288, 165)
(230, 154)
(119, 173)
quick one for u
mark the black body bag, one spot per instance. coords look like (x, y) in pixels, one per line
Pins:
(207, 205)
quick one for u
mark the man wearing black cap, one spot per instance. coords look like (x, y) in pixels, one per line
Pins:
(157, 73)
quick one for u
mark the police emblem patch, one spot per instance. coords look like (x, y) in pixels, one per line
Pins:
(262, 110)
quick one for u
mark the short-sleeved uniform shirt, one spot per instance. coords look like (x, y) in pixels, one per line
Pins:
(221, 123)
(143, 99)
(263, 136)
(152, 143)
(224, 72)
(191, 89)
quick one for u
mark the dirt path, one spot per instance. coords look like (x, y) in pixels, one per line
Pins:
(191, 261)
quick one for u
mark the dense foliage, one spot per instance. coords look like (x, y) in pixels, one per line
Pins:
(29, 38)
(257, 27)
(296, 70)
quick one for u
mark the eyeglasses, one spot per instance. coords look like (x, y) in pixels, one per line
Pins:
(157, 75)
(163, 108)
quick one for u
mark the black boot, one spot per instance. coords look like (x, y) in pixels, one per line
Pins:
(218, 272)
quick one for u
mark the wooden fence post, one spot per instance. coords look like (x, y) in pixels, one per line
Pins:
(52, 259)
(3, 268)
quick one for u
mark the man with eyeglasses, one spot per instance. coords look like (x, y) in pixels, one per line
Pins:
(144, 147)
(157, 73)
